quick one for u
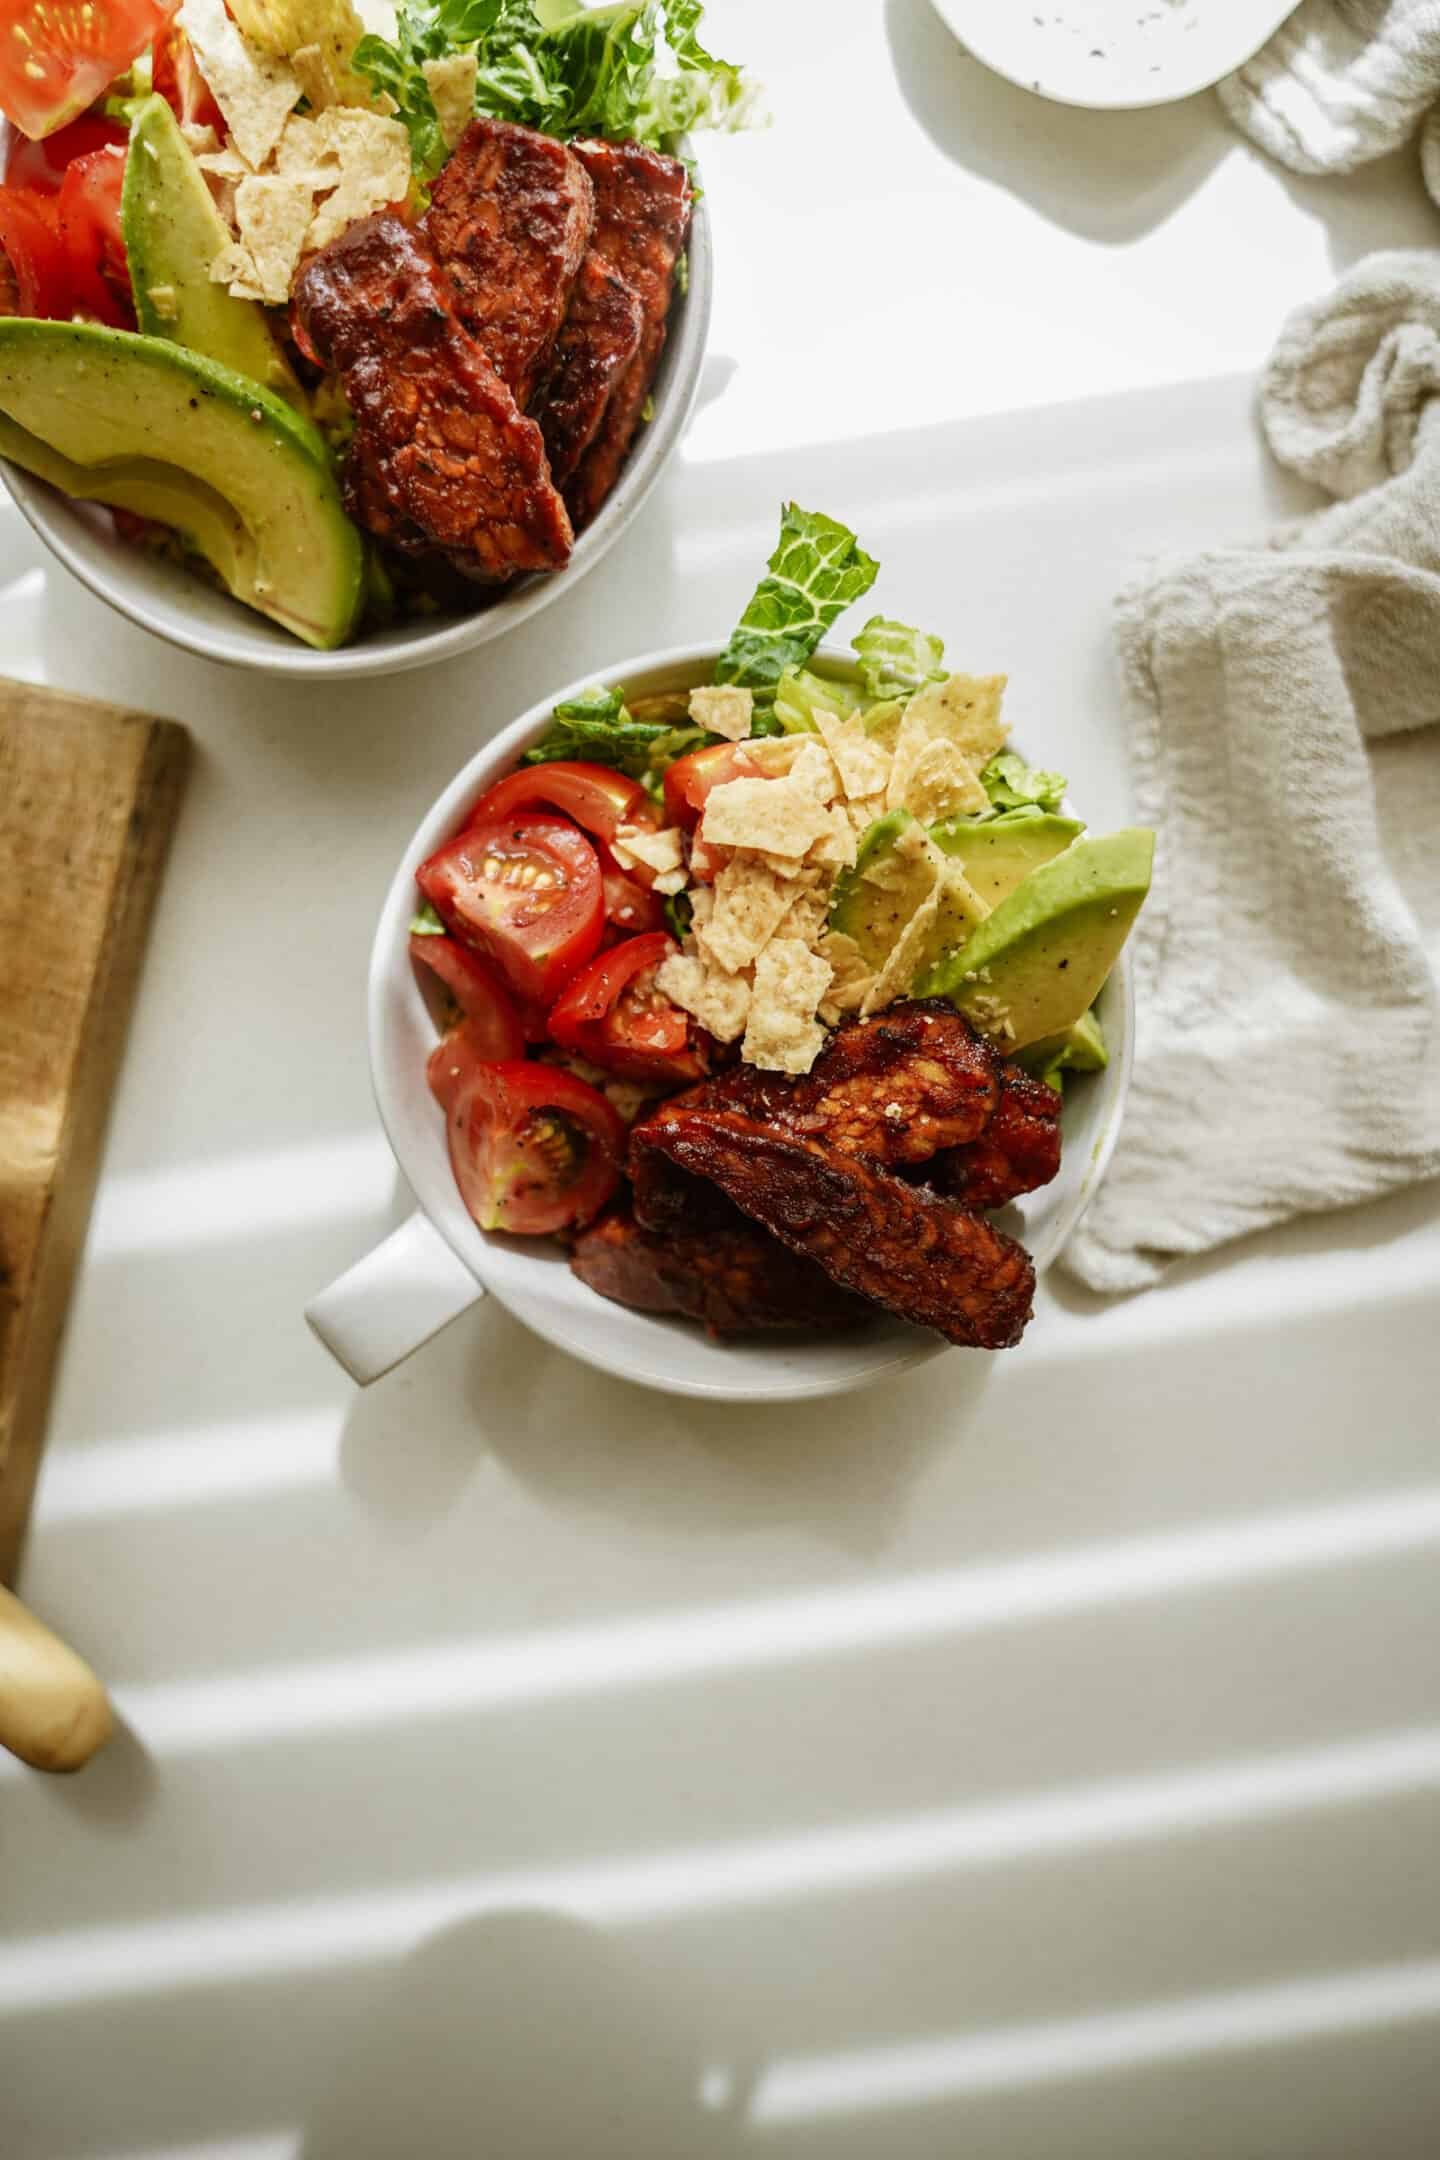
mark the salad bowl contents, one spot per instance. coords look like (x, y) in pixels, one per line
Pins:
(743, 992)
(370, 335)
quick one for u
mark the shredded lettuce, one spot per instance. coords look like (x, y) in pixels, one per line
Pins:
(818, 570)
(427, 923)
(679, 913)
(893, 657)
(561, 67)
(598, 728)
(797, 694)
(1011, 784)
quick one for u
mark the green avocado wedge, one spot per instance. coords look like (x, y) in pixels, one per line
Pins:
(173, 233)
(113, 413)
(1034, 966)
(997, 854)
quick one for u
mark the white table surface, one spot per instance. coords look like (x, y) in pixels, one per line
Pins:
(1036, 1759)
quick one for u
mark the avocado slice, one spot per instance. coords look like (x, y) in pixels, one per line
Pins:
(116, 408)
(896, 872)
(996, 854)
(173, 233)
(1036, 964)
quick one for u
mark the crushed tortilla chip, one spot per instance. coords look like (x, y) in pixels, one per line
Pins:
(835, 848)
(198, 139)
(904, 957)
(451, 83)
(273, 217)
(965, 709)
(316, 80)
(949, 731)
(374, 159)
(659, 851)
(782, 1033)
(932, 779)
(165, 301)
(805, 916)
(774, 817)
(723, 710)
(720, 1002)
(850, 979)
(750, 901)
(863, 764)
(255, 92)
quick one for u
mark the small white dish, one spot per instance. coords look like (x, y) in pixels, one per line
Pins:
(165, 598)
(439, 1263)
(1114, 53)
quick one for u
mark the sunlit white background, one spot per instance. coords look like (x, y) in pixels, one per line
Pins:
(1037, 1760)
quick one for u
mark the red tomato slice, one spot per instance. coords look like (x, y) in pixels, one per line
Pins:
(94, 243)
(58, 56)
(527, 892)
(178, 79)
(534, 1150)
(629, 905)
(493, 1023)
(614, 1015)
(30, 242)
(596, 796)
(690, 779)
(40, 166)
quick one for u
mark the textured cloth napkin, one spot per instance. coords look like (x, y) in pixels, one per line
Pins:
(1285, 700)
(1344, 81)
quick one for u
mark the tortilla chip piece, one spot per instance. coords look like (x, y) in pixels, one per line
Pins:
(862, 763)
(750, 902)
(720, 1002)
(850, 978)
(904, 958)
(805, 916)
(659, 851)
(374, 159)
(932, 779)
(966, 710)
(724, 710)
(255, 92)
(835, 849)
(451, 83)
(775, 817)
(273, 217)
(782, 1034)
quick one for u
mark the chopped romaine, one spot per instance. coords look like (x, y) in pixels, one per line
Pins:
(427, 923)
(599, 729)
(894, 658)
(797, 694)
(1011, 784)
(818, 569)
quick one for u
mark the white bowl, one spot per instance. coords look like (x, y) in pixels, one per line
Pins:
(1111, 54)
(163, 597)
(440, 1262)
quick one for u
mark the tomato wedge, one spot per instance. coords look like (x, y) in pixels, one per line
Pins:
(527, 892)
(94, 243)
(492, 1023)
(30, 243)
(178, 79)
(690, 779)
(597, 797)
(39, 167)
(534, 1150)
(58, 56)
(614, 1015)
(629, 905)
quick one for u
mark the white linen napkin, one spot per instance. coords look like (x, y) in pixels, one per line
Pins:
(1285, 699)
(1342, 82)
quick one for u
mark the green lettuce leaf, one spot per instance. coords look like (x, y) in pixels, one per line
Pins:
(1011, 784)
(599, 729)
(562, 68)
(893, 657)
(818, 570)
(427, 923)
(797, 694)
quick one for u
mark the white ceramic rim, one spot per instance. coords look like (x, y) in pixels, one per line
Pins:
(998, 36)
(897, 1348)
(255, 643)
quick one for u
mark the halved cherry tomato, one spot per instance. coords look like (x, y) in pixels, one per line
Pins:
(178, 79)
(629, 905)
(596, 796)
(58, 56)
(614, 1015)
(690, 779)
(492, 1023)
(94, 242)
(534, 1150)
(40, 166)
(30, 242)
(527, 893)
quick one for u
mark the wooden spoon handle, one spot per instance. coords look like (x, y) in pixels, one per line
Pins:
(54, 1714)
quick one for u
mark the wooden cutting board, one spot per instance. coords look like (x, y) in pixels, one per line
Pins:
(88, 795)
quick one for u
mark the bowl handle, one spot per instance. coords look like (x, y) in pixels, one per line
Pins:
(393, 1300)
